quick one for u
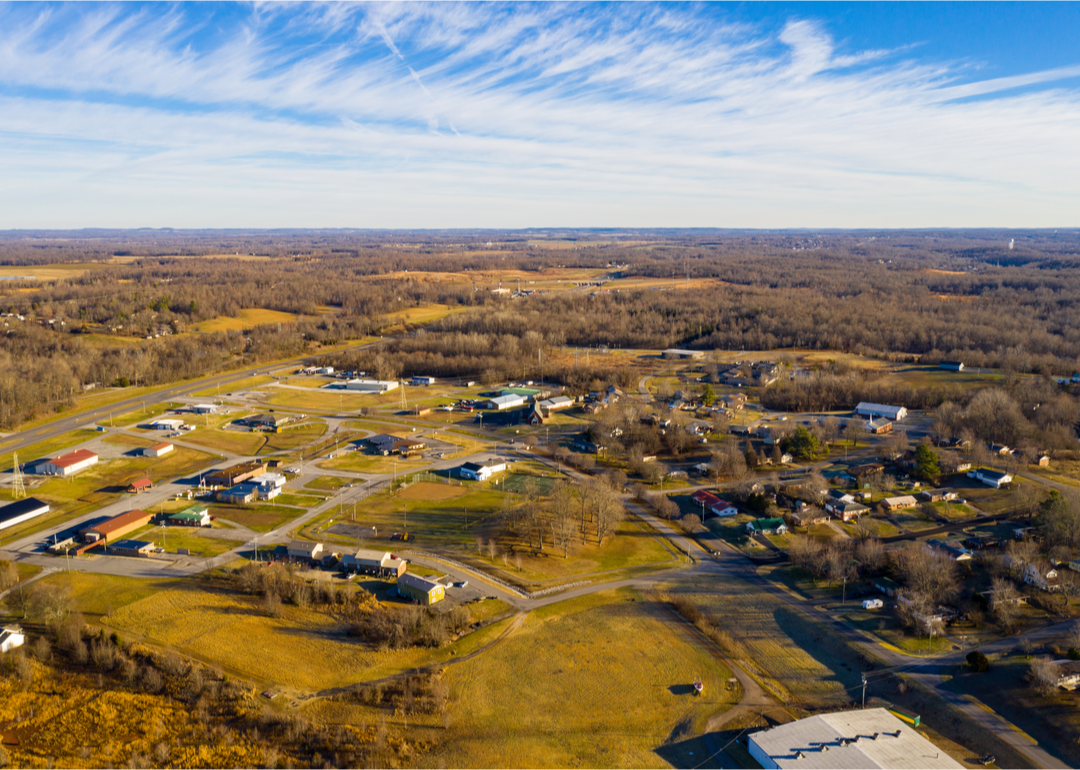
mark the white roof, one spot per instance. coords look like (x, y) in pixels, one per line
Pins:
(867, 406)
(509, 398)
(810, 736)
(901, 500)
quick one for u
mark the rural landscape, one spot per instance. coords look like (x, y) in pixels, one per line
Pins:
(562, 498)
(539, 385)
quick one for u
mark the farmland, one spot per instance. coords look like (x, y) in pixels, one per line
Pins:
(597, 682)
(248, 318)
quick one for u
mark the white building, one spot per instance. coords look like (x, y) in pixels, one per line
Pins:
(166, 424)
(894, 413)
(509, 401)
(157, 450)
(990, 478)
(870, 738)
(10, 638)
(375, 387)
(325, 370)
(418, 380)
(21, 510)
(71, 463)
(555, 403)
(204, 408)
(481, 471)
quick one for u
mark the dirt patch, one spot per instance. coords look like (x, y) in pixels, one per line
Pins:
(428, 490)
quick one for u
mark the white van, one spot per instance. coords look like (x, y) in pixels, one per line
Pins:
(872, 604)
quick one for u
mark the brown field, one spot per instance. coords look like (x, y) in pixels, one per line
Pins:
(248, 317)
(429, 490)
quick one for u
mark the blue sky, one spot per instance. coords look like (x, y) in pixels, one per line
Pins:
(573, 115)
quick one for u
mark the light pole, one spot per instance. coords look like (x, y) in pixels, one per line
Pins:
(864, 690)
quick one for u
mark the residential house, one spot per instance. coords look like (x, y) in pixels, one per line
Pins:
(999, 449)
(1068, 673)
(773, 526)
(895, 503)
(990, 478)
(848, 511)
(879, 426)
(809, 515)
(304, 550)
(953, 551)
(420, 589)
(939, 495)
(10, 638)
(374, 563)
(1043, 576)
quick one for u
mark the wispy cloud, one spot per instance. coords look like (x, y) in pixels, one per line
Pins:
(509, 115)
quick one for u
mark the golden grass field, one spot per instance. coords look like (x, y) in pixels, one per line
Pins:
(248, 317)
(233, 387)
(427, 490)
(790, 655)
(304, 651)
(600, 681)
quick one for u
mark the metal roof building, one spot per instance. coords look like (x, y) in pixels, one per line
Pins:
(870, 738)
(21, 510)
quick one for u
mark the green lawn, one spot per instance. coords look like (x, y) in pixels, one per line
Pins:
(328, 483)
(360, 462)
(299, 500)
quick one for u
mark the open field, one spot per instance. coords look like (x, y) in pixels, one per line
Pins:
(261, 518)
(550, 696)
(293, 437)
(360, 462)
(422, 315)
(233, 387)
(191, 538)
(299, 500)
(327, 400)
(221, 439)
(304, 650)
(248, 317)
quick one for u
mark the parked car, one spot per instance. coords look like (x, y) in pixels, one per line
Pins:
(461, 584)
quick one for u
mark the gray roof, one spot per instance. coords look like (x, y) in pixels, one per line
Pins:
(417, 582)
(870, 738)
(304, 545)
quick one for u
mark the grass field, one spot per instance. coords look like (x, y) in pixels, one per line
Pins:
(797, 659)
(248, 318)
(191, 538)
(327, 400)
(299, 500)
(240, 442)
(601, 681)
(233, 387)
(360, 462)
(304, 650)
(293, 437)
(328, 483)
(136, 417)
(261, 518)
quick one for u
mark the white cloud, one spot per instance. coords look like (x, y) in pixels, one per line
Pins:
(470, 115)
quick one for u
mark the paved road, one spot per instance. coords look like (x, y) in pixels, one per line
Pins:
(21, 439)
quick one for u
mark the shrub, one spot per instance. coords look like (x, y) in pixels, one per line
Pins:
(978, 662)
(1073, 654)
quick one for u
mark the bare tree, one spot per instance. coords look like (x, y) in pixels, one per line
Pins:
(1044, 676)
(9, 575)
(928, 573)
(563, 516)
(492, 549)
(855, 432)
(1004, 603)
(609, 514)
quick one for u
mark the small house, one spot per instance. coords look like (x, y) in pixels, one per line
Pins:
(896, 503)
(1068, 673)
(954, 552)
(10, 638)
(938, 495)
(848, 511)
(879, 426)
(1043, 576)
(304, 550)
(951, 366)
(809, 515)
(774, 526)
(420, 589)
(991, 478)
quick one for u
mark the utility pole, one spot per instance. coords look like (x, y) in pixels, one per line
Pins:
(864, 690)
